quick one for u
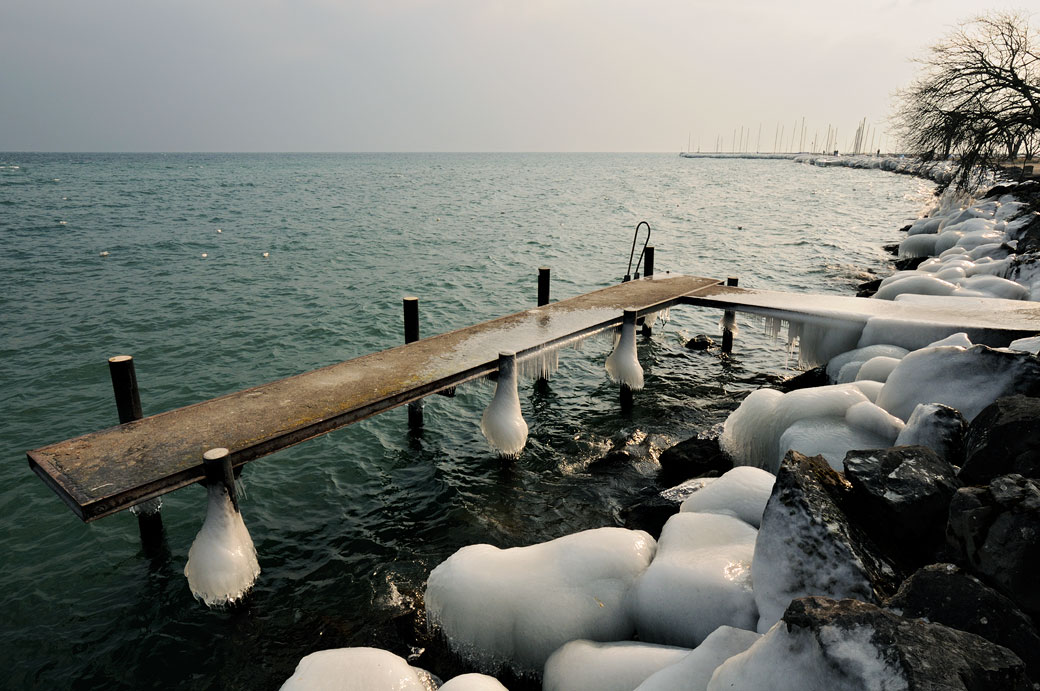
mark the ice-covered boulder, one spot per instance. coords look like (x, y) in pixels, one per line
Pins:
(473, 682)
(589, 666)
(807, 546)
(996, 531)
(945, 594)
(861, 355)
(968, 379)
(1004, 438)
(851, 646)
(901, 497)
(741, 492)
(514, 607)
(939, 427)
(357, 669)
(752, 433)
(829, 437)
(699, 580)
(651, 513)
(693, 672)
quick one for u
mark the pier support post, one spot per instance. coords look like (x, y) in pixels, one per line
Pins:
(627, 400)
(128, 406)
(543, 285)
(729, 318)
(411, 334)
(217, 463)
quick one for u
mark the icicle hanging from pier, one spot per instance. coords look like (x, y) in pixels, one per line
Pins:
(623, 364)
(503, 423)
(222, 564)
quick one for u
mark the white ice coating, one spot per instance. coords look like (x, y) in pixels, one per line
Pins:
(222, 563)
(741, 492)
(623, 364)
(877, 368)
(699, 580)
(784, 660)
(694, 671)
(358, 669)
(813, 421)
(516, 606)
(589, 666)
(836, 363)
(473, 682)
(503, 422)
(1026, 345)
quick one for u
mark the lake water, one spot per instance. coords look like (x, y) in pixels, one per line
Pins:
(348, 526)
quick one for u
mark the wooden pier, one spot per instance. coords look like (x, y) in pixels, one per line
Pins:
(103, 472)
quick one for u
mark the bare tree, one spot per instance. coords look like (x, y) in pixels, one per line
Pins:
(977, 98)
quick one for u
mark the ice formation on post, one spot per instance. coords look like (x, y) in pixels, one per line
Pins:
(588, 666)
(358, 669)
(623, 364)
(514, 607)
(503, 423)
(222, 563)
(699, 580)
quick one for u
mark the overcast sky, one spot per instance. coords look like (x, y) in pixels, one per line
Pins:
(451, 75)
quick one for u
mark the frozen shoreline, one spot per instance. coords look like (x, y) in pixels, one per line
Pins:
(489, 620)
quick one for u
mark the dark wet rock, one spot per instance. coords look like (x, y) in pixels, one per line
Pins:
(653, 512)
(940, 428)
(1003, 439)
(893, 248)
(694, 457)
(817, 376)
(901, 497)
(907, 653)
(945, 594)
(866, 290)
(808, 546)
(908, 263)
(907, 227)
(701, 342)
(995, 531)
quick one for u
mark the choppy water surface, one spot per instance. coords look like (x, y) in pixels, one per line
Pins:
(348, 526)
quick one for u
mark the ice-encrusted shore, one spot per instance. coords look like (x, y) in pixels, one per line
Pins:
(795, 571)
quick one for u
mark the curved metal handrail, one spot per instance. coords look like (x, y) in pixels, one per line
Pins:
(635, 237)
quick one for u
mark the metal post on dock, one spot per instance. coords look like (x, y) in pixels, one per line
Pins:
(217, 464)
(128, 406)
(648, 271)
(729, 321)
(411, 334)
(543, 285)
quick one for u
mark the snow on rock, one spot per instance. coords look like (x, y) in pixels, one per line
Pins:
(357, 669)
(588, 666)
(851, 646)
(473, 682)
(806, 546)
(693, 672)
(968, 379)
(861, 355)
(752, 433)
(938, 427)
(514, 607)
(741, 492)
(699, 580)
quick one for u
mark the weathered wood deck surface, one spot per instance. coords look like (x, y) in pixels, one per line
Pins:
(103, 472)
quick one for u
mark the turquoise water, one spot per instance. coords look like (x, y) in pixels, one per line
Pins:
(348, 526)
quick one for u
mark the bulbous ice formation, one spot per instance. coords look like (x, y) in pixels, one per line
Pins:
(503, 423)
(222, 563)
(622, 364)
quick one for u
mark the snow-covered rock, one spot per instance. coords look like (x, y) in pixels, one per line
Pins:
(589, 666)
(693, 672)
(741, 492)
(699, 580)
(357, 669)
(514, 607)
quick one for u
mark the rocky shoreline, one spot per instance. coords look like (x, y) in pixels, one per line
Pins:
(910, 565)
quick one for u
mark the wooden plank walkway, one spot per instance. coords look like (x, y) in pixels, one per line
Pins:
(103, 472)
